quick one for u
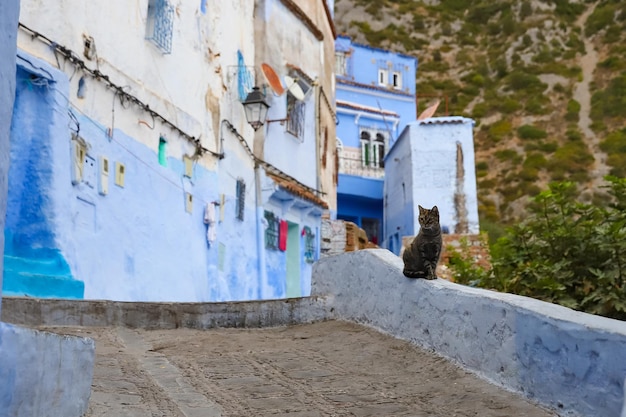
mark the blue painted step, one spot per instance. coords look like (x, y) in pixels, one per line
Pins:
(48, 277)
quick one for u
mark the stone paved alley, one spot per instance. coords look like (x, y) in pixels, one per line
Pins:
(330, 368)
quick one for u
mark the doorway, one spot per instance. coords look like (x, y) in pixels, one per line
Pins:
(293, 261)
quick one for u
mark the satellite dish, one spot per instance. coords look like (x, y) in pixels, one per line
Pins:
(294, 88)
(272, 79)
(429, 111)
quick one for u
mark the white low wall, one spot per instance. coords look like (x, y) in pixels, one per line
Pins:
(572, 362)
(44, 374)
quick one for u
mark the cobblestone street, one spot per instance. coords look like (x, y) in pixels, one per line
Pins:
(330, 368)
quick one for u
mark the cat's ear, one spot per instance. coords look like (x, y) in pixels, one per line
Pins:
(420, 207)
(435, 209)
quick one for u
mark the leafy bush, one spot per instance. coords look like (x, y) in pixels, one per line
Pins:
(500, 129)
(573, 110)
(601, 17)
(529, 83)
(611, 101)
(615, 147)
(531, 132)
(565, 252)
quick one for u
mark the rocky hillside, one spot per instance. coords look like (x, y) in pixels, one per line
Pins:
(545, 82)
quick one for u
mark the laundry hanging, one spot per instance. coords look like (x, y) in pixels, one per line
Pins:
(282, 235)
(209, 219)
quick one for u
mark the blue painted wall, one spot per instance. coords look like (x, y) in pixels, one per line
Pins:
(364, 104)
(137, 242)
(360, 86)
(9, 13)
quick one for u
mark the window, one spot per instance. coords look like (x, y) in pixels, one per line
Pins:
(396, 79)
(373, 145)
(379, 151)
(341, 63)
(309, 245)
(160, 24)
(295, 109)
(365, 148)
(383, 77)
(271, 232)
(241, 199)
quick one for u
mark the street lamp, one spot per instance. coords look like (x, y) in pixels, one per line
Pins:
(256, 108)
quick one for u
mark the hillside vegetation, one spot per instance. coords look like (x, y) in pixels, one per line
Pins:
(545, 82)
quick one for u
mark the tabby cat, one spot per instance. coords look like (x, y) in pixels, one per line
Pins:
(421, 257)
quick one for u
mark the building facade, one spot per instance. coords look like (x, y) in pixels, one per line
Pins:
(375, 100)
(9, 12)
(134, 172)
(431, 163)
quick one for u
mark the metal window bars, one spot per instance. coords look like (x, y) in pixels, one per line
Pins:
(271, 232)
(160, 25)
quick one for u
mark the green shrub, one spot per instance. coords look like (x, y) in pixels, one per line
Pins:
(601, 17)
(573, 110)
(508, 155)
(564, 252)
(500, 129)
(531, 132)
(610, 102)
(535, 160)
(529, 83)
(615, 147)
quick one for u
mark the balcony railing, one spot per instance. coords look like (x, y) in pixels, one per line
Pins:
(350, 163)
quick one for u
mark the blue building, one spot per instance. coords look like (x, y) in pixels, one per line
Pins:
(375, 97)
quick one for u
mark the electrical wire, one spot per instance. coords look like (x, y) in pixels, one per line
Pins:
(73, 58)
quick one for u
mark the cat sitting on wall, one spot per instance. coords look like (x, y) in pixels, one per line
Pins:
(421, 257)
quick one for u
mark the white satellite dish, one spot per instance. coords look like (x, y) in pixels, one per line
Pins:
(294, 88)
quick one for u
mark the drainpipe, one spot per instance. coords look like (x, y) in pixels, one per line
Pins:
(260, 241)
(317, 135)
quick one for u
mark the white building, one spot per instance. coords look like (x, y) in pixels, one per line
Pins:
(134, 172)
(431, 163)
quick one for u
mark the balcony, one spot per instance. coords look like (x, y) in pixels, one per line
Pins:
(351, 163)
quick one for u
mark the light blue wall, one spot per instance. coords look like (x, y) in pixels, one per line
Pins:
(421, 169)
(137, 242)
(398, 192)
(44, 374)
(9, 13)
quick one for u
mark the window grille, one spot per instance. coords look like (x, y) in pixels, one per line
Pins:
(295, 114)
(271, 233)
(241, 199)
(341, 63)
(160, 24)
(309, 245)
